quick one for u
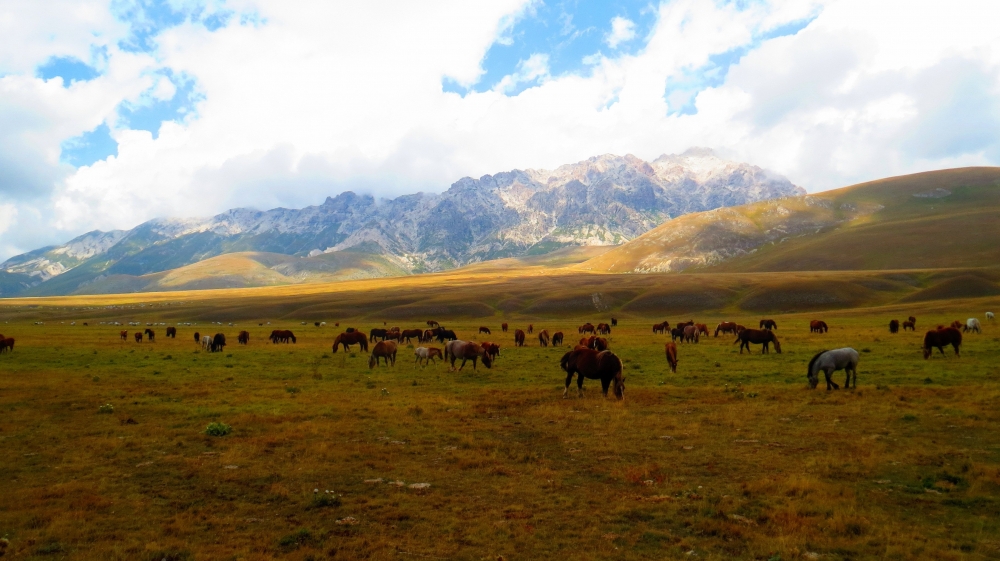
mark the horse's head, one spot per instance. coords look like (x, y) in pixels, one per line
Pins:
(927, 352)
(371, 361)
(777, 345)
(487, 361)
(619, 385)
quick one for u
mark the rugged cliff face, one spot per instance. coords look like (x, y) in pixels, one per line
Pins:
(605, 200)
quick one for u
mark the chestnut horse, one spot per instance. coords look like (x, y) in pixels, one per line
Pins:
(586, 328)
(614, 322)
(503, 327)
(124, 335)
(466, 350)
(671, 349)
(661, 327)
(594, 342)
(595, 365)
(758, 337)
(913, 320)
(942, 338)
(172, 332)
(543, 338)
(557, 339)
(492, 349)
(603, 329)
(243, 338)
(956, 324)
(138, 337)
(383, 349)
(352, 338)
(518, 338)
(894, 326)
(6, 345)
(912, 326)
(817, 326)
(531, 328)
(409, 334)
(768, 324)
(484, 329)
(432, 323)
(702, 329)
(725, 327)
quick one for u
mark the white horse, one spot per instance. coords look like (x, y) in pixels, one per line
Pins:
(206, 342)
(972, 324)
(424, 354)
(845, 359)
(989, 316)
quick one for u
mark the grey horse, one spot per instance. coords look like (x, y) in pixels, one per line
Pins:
(828, 362)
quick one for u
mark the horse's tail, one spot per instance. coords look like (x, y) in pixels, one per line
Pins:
(813, 361)
(564, 361)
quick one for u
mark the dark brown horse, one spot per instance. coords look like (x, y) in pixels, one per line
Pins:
(677, 333)
(518, 338)
(543, 338)
(243, 338)
(138, 337)
(912, 326)
(484, 329)
(466, 350)
(172, 332)
(124, 335)
(557, 339)
(671, 349)
(446, 335)
(6, 344)
(503, 327)
(768, 324)
(603, 329)
(282, 336)
(957, 324)
(661, 327)
(352, 338)
(383, 349)
(378, 333)
(942, 338)
(409, 334)
(758, 337)
(432, 323)
(531, 328)
(595, 365)
(818, 326)
(218, 343)
(912, 320)
(150, 334)
(614, 322)
(725, 327)
(894, 326)
(197, 337)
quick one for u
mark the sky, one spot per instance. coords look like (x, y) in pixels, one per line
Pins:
(113, 112)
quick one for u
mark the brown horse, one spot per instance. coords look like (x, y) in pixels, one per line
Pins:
(427, 354)
(677, 333)
(595, 365)
(282, 336)
(124, 335)
(768, 324)
(243, 338)
(671, 349)
(894, 326)
(691, 334)
(543, 338)
(911, 325)
(352, 338)
(603, 329)
(492, 349)
(518, 338)
(758, 337)
(378, 333)
(726, 327)
(503, 327)
(138, 337)
(557, 339)
(150, 334)
(597, 343)
(6, 345)
(702, 329)
(942, 338)
(197, 337)
(957, 324)
(432, 323)
(383, 349)
(409, 334)
(484, 329)
(466, 350)
(172, 332)
(818, 326)
(912, 320)
(531, 328)
(614, 322)
(661, 327)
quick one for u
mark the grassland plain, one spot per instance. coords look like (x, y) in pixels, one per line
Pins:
(733, 457)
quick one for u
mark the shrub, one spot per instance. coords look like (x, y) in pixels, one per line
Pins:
(296, 540)
(218, 429)
(106, 408)
(324, 500)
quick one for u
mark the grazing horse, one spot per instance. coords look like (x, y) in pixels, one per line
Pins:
(492, 349)
(595, 365)
(446, 335)
(598, 343)
(912, 326)
(243, 338)
(557, 339)
(172, 332)
(518, 338)
(432, 323)
(671, 349)
(702, 329)
(150, 334)
(989, 317)
(758, 337)
(6, 345)
(206, 343)
(383, 349)
(503, 327)
(677, 333)
(352, 338)
(409, 334)
(768, 324)
(661, 327)
(940, 339)
(197, 337)
(972, 324)
(913, 320)
(726, 327)
(543, 338)
(691, 334)
(218, 343)
(378, 333)
(484, 329)
(956, 324)
(817, 326)
(531, 328)
(614, 322)
(603, 329)
(282, 336)
(426, 354)
(466, 350)
(124, 335)
(894, 326)
(138, 337)
(828, 362)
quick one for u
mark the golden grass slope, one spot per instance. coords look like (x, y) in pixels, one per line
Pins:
(936, 219)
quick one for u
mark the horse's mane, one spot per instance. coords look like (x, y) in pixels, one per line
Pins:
(813, 361)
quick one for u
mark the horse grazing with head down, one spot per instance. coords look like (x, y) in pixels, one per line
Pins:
(409, 334)
(972, 324)
(383, 349)
(586, 328)
(197, 337)
(378, 333)
(614, 322)
(218, 343)
(557, 339)
(702, 329)
(466, 350)
(990, 316)
(768, 324)
(725, 327)
(492, 349)
(911, 325)
(691, 334)
(353, 338)
(6, 344)
(661, 327)
(912, 320)
(484, 329)
(518, 338)
(828, 362)
(894, 326)
(941, 338)
(503, 327)
(432, 323)
(603, 329)
(138, 337)
(595, 365)
(427, 354)
(956, 324)
(817, 326)
(671, 349)
(543, 338)
(531, 328)
(172, 332)
(446, 335)
(758, 337)
(677, 333)
(243, 338)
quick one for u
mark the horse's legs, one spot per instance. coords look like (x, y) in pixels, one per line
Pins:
(569, 379)
(829, 380)
(604, 386)
(463, 363)
(956, 349)
(579, 384)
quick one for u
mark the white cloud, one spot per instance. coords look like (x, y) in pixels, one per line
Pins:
(333, 96)
(622, 31)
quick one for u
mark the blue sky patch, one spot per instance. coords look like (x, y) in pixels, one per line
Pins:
(89, 147)
(70, 69)
(566, 31)
(148, 113)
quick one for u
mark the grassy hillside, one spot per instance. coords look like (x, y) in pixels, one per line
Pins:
(936, 219)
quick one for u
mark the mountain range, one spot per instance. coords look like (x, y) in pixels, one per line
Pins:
(602, 201)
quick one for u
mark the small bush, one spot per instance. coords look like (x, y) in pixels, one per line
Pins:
(107, 408)
(326, 500)
(296, 540)
(218, 429)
